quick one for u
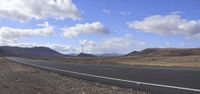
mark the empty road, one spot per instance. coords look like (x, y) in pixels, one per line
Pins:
(154, 80)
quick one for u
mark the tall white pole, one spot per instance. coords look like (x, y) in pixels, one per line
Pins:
(82, 48)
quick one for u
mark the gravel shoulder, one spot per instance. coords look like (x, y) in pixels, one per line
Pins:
(20, 79)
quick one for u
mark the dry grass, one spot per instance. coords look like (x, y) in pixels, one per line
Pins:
(176, 61)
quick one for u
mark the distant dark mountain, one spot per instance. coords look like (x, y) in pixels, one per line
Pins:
(85, 55)
(71, 54)
(111, 54)
(157, 52)
(28, 52)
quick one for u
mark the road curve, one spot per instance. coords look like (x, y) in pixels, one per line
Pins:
(154, 80)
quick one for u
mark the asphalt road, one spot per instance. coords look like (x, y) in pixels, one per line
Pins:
(154, 80)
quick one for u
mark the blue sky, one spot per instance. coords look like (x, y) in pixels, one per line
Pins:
(102, 26)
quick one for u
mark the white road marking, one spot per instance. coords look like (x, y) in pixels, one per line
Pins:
(110, 78)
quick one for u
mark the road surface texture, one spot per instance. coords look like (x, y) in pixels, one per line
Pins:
(154, 80)
(20, 79)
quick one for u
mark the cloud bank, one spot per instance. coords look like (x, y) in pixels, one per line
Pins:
(88, 28)
(8, 34)
(119, 45)
(172, 24)
(25, 10)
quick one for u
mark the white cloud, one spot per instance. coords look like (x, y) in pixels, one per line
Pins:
(142, 43)
(24, 10)
(168, 43)
(172, 24)
(88, 28)
(116, 42)
(120, 45)
(124, 13)
(109, 45)
(87, 43)
(8, 34)
(106, 11)
(182, 44)
(60, 47)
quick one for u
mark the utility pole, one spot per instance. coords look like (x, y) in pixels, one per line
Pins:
(82, 48)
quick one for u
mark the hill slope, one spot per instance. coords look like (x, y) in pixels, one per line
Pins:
(158, 52)
(28, 52)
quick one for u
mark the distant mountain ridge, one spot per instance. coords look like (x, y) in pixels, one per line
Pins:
(47, 52)
(157, 52)
(85, 55)
(109, 55)
(28, 52)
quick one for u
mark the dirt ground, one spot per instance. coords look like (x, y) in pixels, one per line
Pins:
(175, 61)
(19, 79)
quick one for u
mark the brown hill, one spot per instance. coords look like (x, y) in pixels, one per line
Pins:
(159, 52)
(28, 52)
